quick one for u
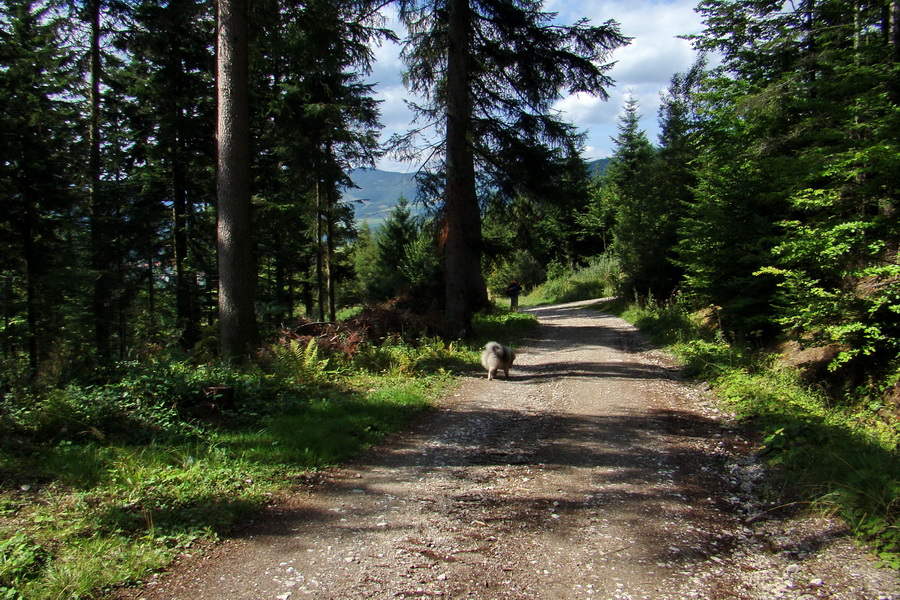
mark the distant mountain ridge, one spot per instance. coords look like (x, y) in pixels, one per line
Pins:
(378, 192)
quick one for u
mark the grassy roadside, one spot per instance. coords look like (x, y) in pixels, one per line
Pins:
(837, 456)
(102, 485)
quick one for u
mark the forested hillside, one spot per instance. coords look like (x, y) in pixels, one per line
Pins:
(375, 193)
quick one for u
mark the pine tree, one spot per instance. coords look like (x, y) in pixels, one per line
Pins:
(489, 73)
(318, 121)
(639, 211)
(392, 240)
(169, 79)
(36, 177)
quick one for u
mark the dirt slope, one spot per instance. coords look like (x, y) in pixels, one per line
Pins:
(593, 472)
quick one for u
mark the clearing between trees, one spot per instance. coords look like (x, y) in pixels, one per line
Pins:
(594, 471)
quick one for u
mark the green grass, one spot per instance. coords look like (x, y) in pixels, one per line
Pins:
(838, 457)
(102, 485)
(510, 328)
(599, 279)
(80, 518)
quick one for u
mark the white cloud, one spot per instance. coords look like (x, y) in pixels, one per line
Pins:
(645, 67)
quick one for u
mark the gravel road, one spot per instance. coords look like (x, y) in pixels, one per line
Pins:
(592, 472)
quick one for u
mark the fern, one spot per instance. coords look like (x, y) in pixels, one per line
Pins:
(306, 364)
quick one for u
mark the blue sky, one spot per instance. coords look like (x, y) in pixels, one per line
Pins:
(645, 68)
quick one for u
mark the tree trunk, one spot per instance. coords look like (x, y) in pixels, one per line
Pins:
(320, 283)
(31, 292)
(329, 254)
(894, 28)
(151, 295)
(100, 266)
(185, 288)
(465, 289)
(280, 277)
(237, 277)
(894, 54)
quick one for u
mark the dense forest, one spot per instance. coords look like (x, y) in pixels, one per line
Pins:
(769, 197)
(171, 221)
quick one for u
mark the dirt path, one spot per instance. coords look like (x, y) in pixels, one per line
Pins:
(593, 472)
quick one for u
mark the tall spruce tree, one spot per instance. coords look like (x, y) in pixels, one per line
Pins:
(489, 73)
(237, 275)
(673, 182)
(38, 124)
(169, 77)
(318, 121)
(392, 240)
(630, 180)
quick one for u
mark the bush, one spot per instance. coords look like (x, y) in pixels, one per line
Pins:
(599, 279)
(523, 267)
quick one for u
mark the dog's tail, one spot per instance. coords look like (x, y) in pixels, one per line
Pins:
(500, 351)
(495, 348)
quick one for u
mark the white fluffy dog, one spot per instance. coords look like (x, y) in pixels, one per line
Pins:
(495, 357)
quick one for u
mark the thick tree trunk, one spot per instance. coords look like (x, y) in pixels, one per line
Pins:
(237, 276)
(100, 263)
(465, 290)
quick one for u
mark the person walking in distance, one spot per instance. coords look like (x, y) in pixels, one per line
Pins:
(513, 290)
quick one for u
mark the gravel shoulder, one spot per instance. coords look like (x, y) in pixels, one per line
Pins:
(592, 472)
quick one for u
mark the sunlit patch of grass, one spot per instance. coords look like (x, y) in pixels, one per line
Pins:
(505, 327)
(599, 279)
(79, 517)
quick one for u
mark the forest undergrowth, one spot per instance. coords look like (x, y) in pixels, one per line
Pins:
(104, 482)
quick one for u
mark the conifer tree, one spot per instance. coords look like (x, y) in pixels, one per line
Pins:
(638, 211)
(36, 172)
(318, 121)
(169, 78)
(800, 146)
(392, 240)
(489, 73)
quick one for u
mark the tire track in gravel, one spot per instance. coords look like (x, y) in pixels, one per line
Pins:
(593, 472)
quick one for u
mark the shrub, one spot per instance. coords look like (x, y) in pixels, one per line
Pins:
(599, 279)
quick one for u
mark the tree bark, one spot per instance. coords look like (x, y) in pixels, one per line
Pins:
(465, 290)
(237, 276)
(329, 254)
(320, 251)
(100, 263)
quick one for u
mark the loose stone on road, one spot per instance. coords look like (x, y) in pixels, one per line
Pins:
(592, 472)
